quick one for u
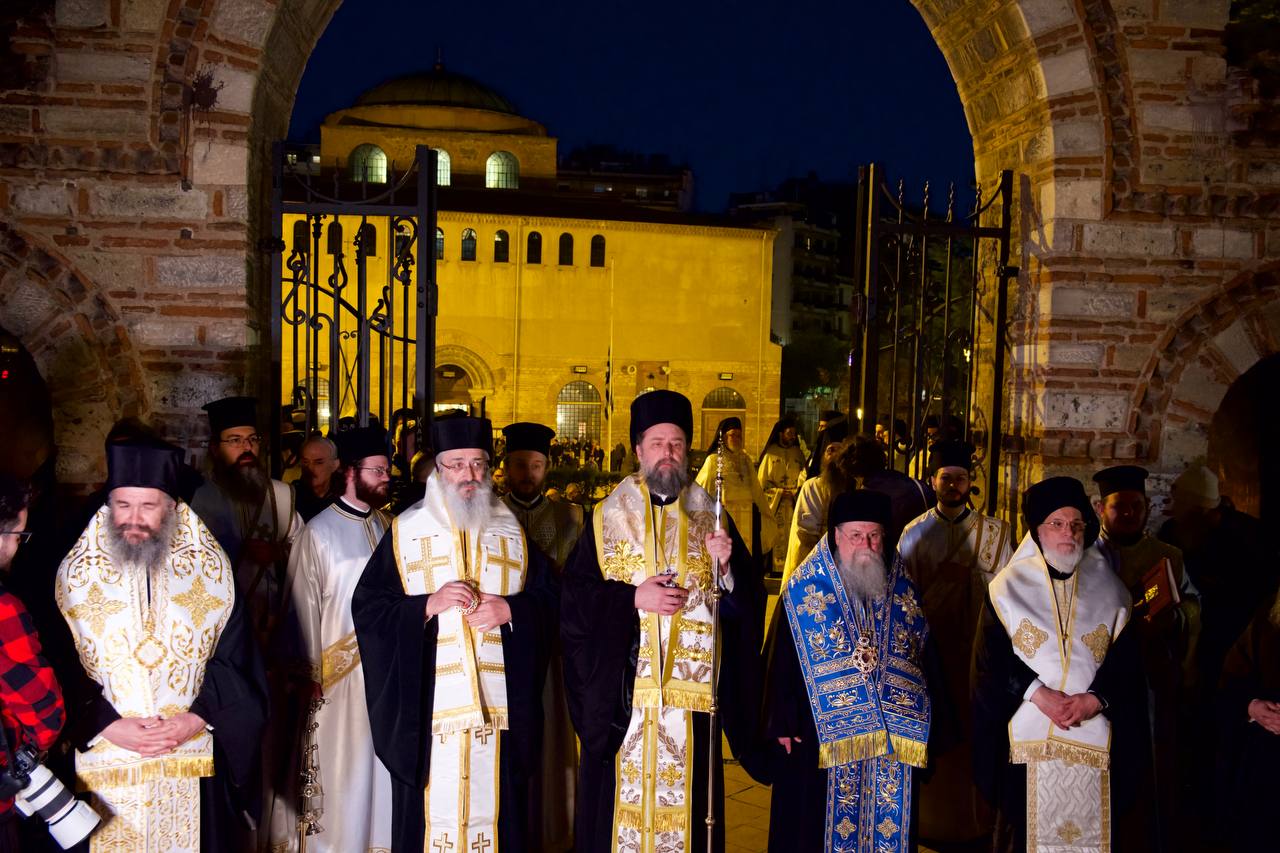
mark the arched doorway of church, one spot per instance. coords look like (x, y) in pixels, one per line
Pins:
(453, 389)
(26, 415)
(1241, 448)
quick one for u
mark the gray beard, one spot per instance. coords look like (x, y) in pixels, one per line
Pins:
(1064, 563)
(469, 514)
(149, 555)
(665, 483)
(863, 575)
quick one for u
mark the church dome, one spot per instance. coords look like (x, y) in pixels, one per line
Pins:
(437, 88)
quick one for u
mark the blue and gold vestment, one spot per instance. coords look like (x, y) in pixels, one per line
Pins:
(872, 725)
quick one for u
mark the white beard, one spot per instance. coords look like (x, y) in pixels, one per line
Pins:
(469, 514)
(864, 576)
(1065, 563)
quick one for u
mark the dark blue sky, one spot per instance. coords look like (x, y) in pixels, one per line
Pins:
(747, 93)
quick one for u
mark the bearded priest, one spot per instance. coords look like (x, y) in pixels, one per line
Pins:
(848, 702)
(638, 635)
(170, 751)
(453, 616)
(1059, 699)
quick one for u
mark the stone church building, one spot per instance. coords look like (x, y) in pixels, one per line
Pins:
(133, 216)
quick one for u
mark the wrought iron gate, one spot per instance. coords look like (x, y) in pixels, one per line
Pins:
(930, 324)
(343, 348)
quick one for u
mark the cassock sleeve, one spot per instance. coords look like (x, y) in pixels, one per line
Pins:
(397, 650)
(786, 700)
(600, 637)
(302, 622)
(1121, 684)
(741, 684)
(1000, 679)
(233, 698)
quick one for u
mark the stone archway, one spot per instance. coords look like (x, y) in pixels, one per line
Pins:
(1241, 444)
(1209, 347)
(80, 346)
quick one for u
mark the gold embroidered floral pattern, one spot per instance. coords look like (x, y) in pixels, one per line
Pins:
(845, 827)
(1098, 641)
(910, 607)
(96, 609)
(1069, 833)
(815, 603)
(1028, 638)
(887, 828)
(199, 602)
(624, 563)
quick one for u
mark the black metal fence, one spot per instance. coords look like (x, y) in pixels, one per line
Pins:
(354, 291)
(930, 324)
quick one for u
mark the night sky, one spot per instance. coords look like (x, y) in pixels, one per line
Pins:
(747, 94)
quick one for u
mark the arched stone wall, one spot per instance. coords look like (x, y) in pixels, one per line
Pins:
(80, 347)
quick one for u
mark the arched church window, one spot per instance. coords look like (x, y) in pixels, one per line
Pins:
(724, 397)
(597, 250)
(469, 244)
(533, 252)
(368, 163)
(444, 168)
(578, 412)
(566, 250)
(439, 244)
(502, 171)
(501, 247)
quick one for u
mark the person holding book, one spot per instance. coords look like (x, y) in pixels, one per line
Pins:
(1167, 616)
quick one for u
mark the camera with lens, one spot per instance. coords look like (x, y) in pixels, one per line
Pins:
(36, 791)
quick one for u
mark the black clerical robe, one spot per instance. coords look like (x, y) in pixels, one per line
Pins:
(398, 655)
(600, 632)
(232, 701)
(1000, 678)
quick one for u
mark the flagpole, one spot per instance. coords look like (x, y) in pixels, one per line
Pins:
(608, 390)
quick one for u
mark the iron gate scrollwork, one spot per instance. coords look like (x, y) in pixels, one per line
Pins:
(344, 348)
(930, 323)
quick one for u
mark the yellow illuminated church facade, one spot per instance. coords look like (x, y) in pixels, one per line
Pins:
(554, 302)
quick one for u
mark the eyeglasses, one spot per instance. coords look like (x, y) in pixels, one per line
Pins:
(377, 472)
(477, 465)
(857, 536)
(238, 441)
(23, 535)
(1058, 526)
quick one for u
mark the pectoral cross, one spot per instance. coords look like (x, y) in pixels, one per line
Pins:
(504, 560)
(481, 844)
(428, 564)
(442, 844)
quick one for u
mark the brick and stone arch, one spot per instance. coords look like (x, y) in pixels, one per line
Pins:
(80, 346)
(1208, 348)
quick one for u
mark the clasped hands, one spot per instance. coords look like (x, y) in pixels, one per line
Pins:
(654, 596)
(152, 736)
(491, 612)
(1066, 710)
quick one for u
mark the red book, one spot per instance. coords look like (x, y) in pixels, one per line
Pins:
(1157, 592)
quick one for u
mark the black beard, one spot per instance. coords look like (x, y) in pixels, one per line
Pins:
(245, 484)
(953, 504)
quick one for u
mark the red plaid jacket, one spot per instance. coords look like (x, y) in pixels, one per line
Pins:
(31, 707)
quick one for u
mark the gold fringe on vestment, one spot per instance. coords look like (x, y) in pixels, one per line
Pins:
(673, 697)
(136, 774)
(850, 749)
(632, 817)
(1051, 750)
(910, 752)
(498, 720)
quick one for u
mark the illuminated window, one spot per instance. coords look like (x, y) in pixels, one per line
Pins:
(368, 163)
(501, 247)
(566, 250)
(533, 253)
(597, 250)
(444, 168)
(468, 245)
(578, 415)
(502, 171)
(439, 244)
